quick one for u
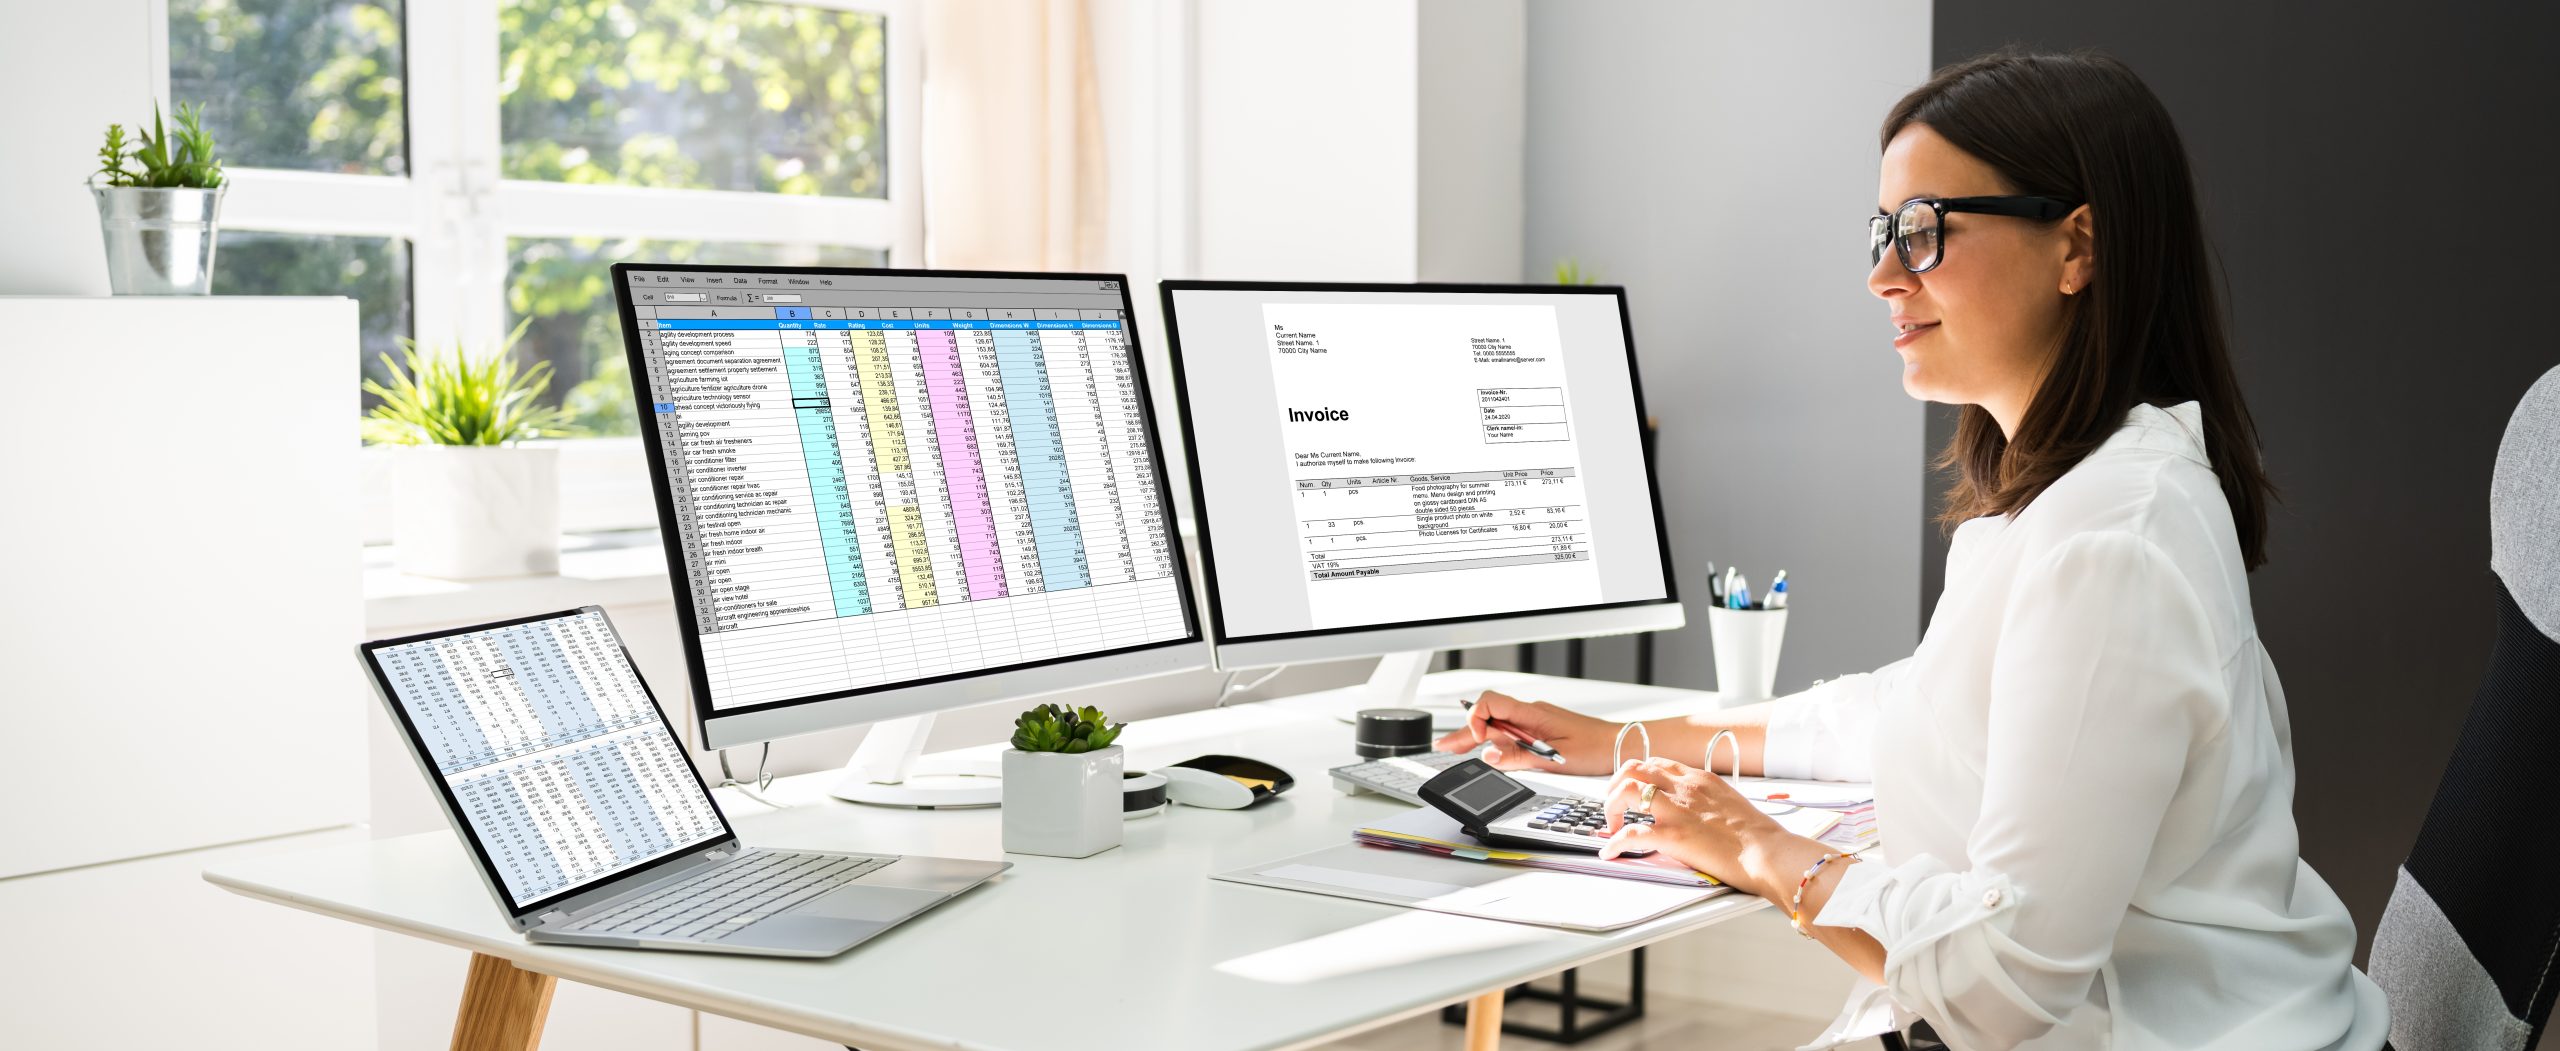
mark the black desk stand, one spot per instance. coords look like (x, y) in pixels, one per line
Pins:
(1578, 1017)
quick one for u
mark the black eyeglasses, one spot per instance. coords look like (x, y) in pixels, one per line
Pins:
(1918, 230)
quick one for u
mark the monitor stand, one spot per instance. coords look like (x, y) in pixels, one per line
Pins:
(1397, 683)
(889, 768)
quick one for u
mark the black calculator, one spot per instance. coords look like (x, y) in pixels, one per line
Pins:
(1497, 808)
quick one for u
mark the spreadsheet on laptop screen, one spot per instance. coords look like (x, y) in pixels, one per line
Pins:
(884, 479)
(552, 750)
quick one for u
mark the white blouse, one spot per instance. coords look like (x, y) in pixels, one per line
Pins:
(2084, 785)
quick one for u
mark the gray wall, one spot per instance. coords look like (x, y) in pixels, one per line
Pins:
(2376, 177)
(1719, 160)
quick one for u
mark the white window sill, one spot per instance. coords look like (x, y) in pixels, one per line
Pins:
(616, 568)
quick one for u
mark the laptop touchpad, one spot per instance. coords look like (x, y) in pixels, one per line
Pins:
(866, 902)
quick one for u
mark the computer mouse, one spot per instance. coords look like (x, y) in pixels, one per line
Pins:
(1224, 782)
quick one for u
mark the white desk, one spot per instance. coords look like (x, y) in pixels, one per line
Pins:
(1132, 948)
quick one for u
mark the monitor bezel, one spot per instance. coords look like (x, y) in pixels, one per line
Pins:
(523, 915)
(696, 674)
(1215, 600)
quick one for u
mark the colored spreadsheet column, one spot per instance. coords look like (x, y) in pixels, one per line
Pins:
(962, 468)
(829, 495)
(889, 449)
(1045, 486)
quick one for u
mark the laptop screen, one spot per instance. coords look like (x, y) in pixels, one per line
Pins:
(555, 761)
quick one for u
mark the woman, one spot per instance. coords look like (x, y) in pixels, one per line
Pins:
(2084, 776)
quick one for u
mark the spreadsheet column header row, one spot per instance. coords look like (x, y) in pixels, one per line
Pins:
(1030, 283)
(885, 313)
(650, 327)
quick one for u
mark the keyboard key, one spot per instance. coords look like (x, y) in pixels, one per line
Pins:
(721, 902)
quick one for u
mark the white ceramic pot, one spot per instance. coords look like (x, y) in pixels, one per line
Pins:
(1746, 649)
(466, 512)
(1064, 806)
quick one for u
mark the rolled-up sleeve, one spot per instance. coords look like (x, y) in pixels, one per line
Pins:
(2106, 677)
(1828, 733)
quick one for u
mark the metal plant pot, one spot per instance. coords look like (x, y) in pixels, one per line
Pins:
(159, 241)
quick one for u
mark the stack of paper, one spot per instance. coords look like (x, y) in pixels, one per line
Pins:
(1840, 815)
(1855, 804)
(1423, 828)
(1426, 829)
(1494, 892)
(1855, 832)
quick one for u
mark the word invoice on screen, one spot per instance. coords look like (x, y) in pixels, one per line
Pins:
(1433, 461)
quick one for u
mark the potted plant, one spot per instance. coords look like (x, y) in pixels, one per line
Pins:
(1062, 783)
(159, 221)
(469, 501)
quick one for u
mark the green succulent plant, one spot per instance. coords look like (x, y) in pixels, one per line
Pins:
(1058, 728)
(182, 159)
(447, 397)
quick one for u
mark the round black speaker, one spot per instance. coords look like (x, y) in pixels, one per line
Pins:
(1383, 733)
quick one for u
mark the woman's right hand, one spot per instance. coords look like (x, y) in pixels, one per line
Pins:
(1583, 741)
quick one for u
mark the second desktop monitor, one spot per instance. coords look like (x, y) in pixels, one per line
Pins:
(1385, 468)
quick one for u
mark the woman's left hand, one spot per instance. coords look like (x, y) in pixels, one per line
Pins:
(1700, 821)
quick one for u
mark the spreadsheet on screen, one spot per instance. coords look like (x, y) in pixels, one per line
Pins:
(884, 479)
(551, 749)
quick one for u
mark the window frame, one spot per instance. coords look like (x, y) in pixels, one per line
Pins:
(458, 213)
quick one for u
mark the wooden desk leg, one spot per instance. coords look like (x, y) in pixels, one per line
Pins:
(503, 1007)
(1484, 1022)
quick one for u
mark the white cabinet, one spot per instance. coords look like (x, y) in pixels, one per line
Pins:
(176, 672)
(146, 953)
(176, 648)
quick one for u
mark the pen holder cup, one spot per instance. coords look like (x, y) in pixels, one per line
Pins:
(1746, 644)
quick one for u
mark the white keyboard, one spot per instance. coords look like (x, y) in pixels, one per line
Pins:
(1399, 777)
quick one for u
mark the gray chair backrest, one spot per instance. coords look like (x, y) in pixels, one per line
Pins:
(2468, 951)
(2524, 506)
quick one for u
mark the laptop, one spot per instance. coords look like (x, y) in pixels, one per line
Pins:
(590, 824)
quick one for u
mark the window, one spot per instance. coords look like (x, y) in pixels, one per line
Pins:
(339, 109)
(753, 97)
(373, 271)
(459, 166)
(557, 286)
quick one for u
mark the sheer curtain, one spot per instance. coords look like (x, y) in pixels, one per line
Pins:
(1015, 176)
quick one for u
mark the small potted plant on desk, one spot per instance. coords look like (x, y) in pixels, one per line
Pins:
(469, 501)
(1062, 783)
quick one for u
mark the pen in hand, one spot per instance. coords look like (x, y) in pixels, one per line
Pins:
(1535, 746)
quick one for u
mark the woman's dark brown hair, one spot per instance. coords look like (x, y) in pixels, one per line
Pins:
(2148, 329)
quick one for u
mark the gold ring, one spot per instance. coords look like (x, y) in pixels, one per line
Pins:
(1644, 802)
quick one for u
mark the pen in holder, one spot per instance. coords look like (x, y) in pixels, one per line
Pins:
(1746, 644)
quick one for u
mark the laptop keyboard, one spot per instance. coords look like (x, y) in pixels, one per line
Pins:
(727, 898)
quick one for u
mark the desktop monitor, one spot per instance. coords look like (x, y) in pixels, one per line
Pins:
(888, 493)
(1389, 470)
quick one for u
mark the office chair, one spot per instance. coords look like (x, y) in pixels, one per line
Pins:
(2469, 948)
